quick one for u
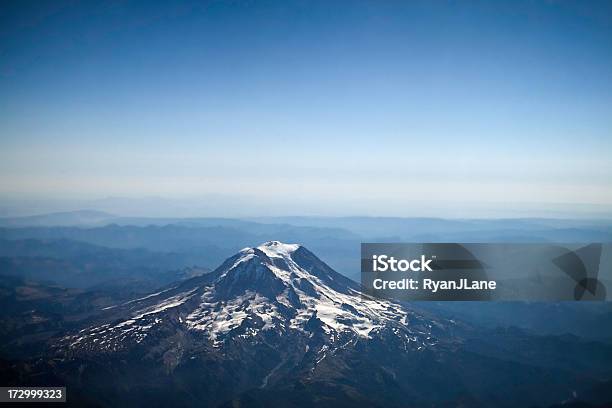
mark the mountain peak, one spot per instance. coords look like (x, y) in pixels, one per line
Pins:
(277, 249)
(273, 285)
(272, 254)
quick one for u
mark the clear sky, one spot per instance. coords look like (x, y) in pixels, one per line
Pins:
(357, 107)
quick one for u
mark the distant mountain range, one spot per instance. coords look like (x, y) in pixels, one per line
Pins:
(207, 241)
(276, 326)
(360, 225)
(70, 218)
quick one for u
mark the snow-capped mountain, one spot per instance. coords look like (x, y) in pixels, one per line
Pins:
(273, 287)
(276, 326)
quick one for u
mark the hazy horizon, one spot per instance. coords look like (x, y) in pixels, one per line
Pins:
(233, 207)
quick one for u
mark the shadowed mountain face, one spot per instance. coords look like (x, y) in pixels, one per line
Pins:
(275, 326)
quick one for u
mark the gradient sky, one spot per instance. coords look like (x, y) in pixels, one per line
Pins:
(377, 108)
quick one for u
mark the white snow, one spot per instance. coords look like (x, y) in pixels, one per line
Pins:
(277, 249)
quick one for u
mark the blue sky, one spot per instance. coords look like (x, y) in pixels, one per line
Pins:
(380, 108)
